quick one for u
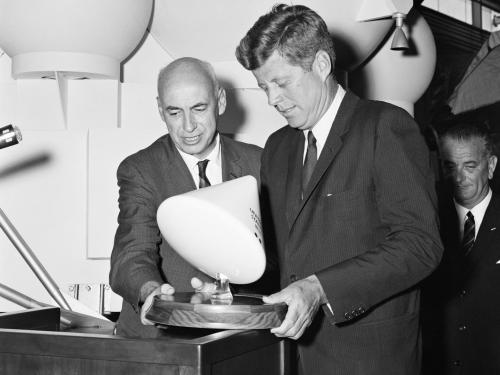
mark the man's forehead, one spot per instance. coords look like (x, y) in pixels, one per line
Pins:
(275, 67)
(464, 149)
(186, 91)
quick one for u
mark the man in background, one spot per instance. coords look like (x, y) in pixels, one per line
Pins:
(351, 201)
(192, 155)
(461, 308)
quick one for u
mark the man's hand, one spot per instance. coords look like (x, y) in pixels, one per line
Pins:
(202, 287)
(303, 298)
(162, 289)
(203, 290)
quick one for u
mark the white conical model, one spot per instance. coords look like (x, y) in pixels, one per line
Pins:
(218, 229)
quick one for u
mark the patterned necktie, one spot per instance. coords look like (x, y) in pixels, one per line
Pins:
(469, 233)
(202, 166)
(309, 161)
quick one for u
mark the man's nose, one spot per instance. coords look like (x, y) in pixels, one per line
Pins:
(459, 176)
(273, 96)
(189, 124)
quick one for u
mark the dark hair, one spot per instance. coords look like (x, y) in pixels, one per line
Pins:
(469, 131)
(295, 31)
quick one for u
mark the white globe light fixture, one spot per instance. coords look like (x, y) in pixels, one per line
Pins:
(213, 31)
(82, 39)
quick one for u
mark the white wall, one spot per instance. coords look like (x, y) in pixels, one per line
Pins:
(58, 186)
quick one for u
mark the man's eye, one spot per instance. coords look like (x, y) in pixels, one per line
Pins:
(173, 113)
(448, 168)
(200, 108)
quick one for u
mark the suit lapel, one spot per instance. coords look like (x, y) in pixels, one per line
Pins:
(176, 168)
(294, 175)
(231, 167)
(486, 236)
(333, 144)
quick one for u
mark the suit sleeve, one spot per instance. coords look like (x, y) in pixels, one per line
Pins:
(135, 258)
(406, 204)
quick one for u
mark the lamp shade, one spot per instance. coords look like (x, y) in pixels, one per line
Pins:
(81, 38)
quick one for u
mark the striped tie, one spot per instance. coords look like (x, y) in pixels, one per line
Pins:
(469, 233)
(309, 161)
(202, 166)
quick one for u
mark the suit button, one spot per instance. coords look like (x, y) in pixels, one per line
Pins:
(462, 328)
(457, 363)
(293, 278)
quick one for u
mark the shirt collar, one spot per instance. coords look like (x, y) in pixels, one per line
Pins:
(322, 128)
(214, 156)
(478, 210)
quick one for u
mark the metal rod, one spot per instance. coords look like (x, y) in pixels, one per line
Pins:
(18, 298)
(32, 261)
(23, 300)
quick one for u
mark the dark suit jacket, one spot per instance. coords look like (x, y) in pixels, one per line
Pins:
(461, 307)
(140, 253)
(367, 227)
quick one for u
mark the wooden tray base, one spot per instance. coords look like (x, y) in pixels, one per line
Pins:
(197, 310)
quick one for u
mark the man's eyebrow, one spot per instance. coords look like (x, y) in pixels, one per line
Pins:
(199, 104)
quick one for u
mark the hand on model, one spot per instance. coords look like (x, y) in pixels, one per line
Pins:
(162, 289)
(303, 298)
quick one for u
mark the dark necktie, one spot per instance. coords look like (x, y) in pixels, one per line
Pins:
(469, 233)
(310, 160)
(202, 166)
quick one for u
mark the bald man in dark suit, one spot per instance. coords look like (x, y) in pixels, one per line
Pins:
(143, 264)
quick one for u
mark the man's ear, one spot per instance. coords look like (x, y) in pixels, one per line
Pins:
(322, 64)
(492, 163)
(221, 100)
(160, 108)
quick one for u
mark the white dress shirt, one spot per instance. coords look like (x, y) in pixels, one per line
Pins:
(478, 211)
(214, 166)
(322, 128)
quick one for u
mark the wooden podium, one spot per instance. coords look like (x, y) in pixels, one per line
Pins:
(30, 343)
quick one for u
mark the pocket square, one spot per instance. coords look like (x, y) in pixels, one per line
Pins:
(498, 261)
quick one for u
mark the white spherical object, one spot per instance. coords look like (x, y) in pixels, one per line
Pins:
(211, 30)
(400, 77)
(81, 38)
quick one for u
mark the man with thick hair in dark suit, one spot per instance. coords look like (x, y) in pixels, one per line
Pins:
(143, 264)
(351, 201)
(461, 306)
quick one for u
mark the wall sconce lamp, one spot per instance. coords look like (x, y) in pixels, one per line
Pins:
(399, 40)
(496, 20)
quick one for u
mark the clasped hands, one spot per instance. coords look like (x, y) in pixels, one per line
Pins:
(303, 298)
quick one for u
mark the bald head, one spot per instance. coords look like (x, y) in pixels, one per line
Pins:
(187, 69)
(190, 102)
